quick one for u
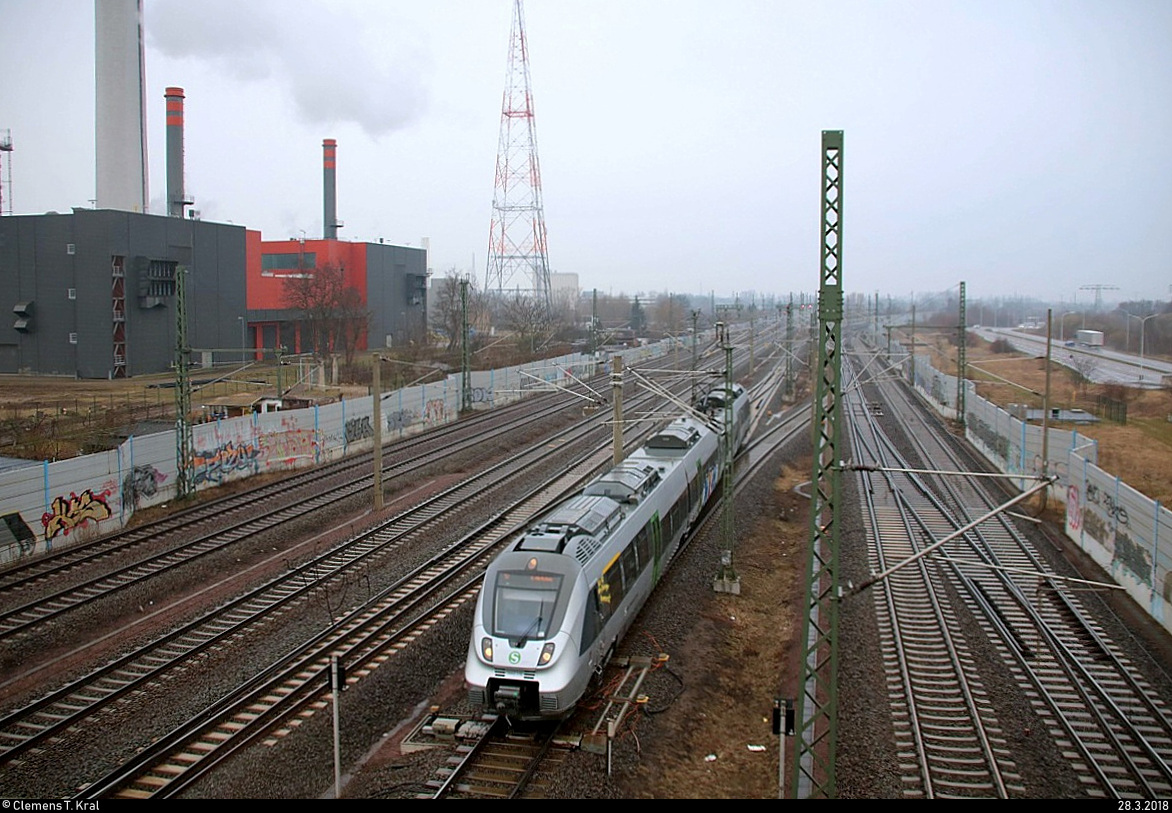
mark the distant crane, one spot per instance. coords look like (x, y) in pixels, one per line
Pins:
(6, 173)
(1098, 289)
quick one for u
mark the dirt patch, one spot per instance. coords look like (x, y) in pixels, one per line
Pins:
(716, 741)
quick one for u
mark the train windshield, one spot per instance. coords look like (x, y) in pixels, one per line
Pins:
(524, 606)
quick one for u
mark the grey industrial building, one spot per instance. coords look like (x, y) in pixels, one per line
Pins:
(92, 293)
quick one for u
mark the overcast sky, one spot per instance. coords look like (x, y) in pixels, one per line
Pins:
(1020, 146)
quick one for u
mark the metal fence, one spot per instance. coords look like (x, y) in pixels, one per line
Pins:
(1126, 532)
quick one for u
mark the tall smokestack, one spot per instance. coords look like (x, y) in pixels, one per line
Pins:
(120, 70)
(175, 196)
(330, 188)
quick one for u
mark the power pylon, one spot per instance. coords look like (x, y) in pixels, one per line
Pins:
(1098, 289)
(518, 262)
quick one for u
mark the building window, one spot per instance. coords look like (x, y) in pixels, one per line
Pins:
(287, 265)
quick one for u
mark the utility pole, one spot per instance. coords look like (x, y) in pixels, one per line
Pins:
(961, 361)
(616, 385)
(465, 352)
(789, 348)
(594, 326)
(695, 322)
(1046, 399)
(377, 420)
(813, 773)
(911, 373)
(184, 451)
(727, 580)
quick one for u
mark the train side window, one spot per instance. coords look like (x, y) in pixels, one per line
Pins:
(610, 589)
(643, 544)
(630, 566)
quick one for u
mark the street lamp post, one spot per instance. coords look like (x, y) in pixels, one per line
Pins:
(1127, 333)
(1142, 324)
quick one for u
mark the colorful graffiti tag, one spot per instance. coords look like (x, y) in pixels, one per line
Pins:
(216, 465)
(288, 446)
(435, 412)
(74, 511)
(1073, 511)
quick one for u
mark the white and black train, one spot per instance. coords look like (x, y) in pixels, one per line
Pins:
(557, 601)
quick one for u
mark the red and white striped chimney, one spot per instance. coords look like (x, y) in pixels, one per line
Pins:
(330, 188)
(175, 194)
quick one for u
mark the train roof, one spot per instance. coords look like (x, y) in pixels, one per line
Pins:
(576, 527)
(679, 435)
(627, 482)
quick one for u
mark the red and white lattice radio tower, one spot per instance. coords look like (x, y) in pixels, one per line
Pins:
(517, 259)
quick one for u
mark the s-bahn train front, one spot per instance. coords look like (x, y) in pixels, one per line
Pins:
(523, 658)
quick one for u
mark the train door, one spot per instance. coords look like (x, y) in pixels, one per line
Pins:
(657, 546)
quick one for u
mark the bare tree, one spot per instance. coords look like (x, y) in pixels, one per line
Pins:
(670, 312)
(331, 310)
(1083, 369)
(448, 308)
(528, 318)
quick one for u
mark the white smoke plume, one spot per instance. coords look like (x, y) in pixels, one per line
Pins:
(337, 66)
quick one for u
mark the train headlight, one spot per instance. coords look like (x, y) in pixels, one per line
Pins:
(486, 648)
(546, 654)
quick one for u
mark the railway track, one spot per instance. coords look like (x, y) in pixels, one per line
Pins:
(229, 520)
(505, 763)
(372, 635)
(1109, 724)
(69, 706)
(500, 765)
(50, 718)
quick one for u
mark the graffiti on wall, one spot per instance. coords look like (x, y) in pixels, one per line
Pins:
(938, 390)
(998, 444)
(400, 419)
(358, 429)
(216, 465)
(1073, 511)
(66, 514)
(21, 533)
(1106, 503)
(482, 395)
(287, 446)
(1055, 467)
(140, 484)
(1133, 557)
(435, 412)
(1097, 529)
